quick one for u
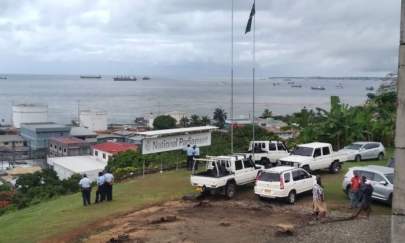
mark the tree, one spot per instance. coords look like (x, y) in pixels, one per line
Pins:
(205, 120)
(266, 113)
(195, 120)
(219, 117)
(164, 122)
(184, 121)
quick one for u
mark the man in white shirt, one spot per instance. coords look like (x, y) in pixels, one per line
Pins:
(190, 153)
(109, 180)
(85, 186)
(100, 193)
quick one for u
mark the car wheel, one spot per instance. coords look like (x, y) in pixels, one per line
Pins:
(306, 168)
(334, 168)
(291, 197)
(357, 158)
(230, 190)
(381, 156)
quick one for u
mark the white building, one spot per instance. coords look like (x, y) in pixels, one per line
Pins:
(105, 151)
(93, 120)
(29, 113)
(65, 167)
(177, 115)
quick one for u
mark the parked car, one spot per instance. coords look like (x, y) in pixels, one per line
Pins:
(224, 173)
(364, 150)
(267, 153)
(315, 156)
(283, 182)
(380, 177)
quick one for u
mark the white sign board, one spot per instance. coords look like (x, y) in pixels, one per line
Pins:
(176, 142)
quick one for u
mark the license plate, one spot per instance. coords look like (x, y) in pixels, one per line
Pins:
(199, 189)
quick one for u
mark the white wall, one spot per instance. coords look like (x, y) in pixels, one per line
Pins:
(29, 114)
(99, 155)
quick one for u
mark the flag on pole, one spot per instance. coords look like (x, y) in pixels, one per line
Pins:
(249, 23)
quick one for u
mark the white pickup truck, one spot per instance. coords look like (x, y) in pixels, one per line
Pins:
(315, 156)
(267, 153)
(224, 173)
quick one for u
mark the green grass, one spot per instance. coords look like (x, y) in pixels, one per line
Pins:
(66, 213)
(333, 185)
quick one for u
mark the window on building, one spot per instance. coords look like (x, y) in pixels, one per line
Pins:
(109, 158)
(95, 153)
(60, 148)
(64, 150)
(5, 143)
(104, 156)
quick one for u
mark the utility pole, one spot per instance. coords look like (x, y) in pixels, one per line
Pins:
(398, 206)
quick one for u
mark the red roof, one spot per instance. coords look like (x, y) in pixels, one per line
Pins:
(68, 140)
(115, 148)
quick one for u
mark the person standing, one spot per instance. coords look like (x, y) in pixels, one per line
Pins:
(196, 154)
(85, 186)
(318, 197)
(366, 191)
(100, 193)
(108, 185)
(189, 152)
(354, 190)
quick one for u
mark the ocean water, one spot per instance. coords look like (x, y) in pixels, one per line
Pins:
(123, 101)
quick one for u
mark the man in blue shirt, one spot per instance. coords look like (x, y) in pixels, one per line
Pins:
(100, 193)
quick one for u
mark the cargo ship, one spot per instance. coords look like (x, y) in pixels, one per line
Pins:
(125, 78)
(90, 76)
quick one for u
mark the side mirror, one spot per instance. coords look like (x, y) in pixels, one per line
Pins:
(384, 183)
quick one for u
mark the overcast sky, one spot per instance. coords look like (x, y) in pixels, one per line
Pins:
(191, 38)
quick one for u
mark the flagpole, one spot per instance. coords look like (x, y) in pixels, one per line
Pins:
(232, 72)
(253, 74)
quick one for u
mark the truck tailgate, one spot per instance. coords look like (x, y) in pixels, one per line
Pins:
(209, 182)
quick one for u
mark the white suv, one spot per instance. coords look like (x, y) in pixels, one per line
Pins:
(364, 150)
(283, 182)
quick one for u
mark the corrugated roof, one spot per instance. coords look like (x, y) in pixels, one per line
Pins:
(114, 148)
(176, 131)
(11, 138)
(79, 164)
(81, 131)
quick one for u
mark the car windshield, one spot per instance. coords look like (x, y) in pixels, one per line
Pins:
(303, 151)
(353, 146)
(390, 177)
(266, 176)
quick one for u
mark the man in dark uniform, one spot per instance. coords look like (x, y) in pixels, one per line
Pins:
(108, 185)
(100, 193)
(366, 191)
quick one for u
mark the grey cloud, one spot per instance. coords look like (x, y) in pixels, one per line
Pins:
(183, 37)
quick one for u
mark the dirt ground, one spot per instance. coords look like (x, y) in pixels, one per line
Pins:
(243, 219)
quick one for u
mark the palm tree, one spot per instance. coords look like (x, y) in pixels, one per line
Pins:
(266, 113)
(195, 120)
(184, 121)
(219, 117)
(205, 120)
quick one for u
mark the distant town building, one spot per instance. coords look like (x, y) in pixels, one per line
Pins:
(93, 120)
(277, 127)
(13, 147)
(38, 134)
(29, 113)
(105, 151)
(238, 122)
(68, 146)
(103, 138)
(177, 115)
(84, 134)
